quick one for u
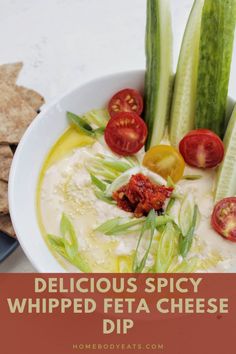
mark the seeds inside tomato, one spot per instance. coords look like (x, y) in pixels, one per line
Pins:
(202, 148)
(127, 100)
(125, 133)
(224, 218)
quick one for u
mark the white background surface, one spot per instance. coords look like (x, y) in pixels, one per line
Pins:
(64, 43)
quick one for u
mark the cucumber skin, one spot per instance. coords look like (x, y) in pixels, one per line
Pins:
(216, 47)
(185, 87)
(158, 82)
(226, 176)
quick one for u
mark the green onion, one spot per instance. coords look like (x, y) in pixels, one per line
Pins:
(90, 117)
(98, 183)
(186, 266)
(57, 243)
(116, 165)
(149, 224)
(106, 174)
(186, 213)
(55, 240)
(120, 165)
(167, 247)
(122, 180)
(98, 166)
(108, 225)
(80, 123)
(68, 232)
(186, 241)
(132, 160)
(99, 131)
(162, 220)
(98, 117)
(109, 168)
(191, 177)
(67, 245)
(100, 195)
(170, 182)
(118, 225)
(170, 205)
(120, 229)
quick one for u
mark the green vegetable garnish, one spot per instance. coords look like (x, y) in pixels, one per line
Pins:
(149, 225)
(186, 266)
(108, 167)
(216, 48)
(185, 86)
(98, 117)
(159, 74)
(100, 195)
(226, 176)
(67, 245)
(192, 177)
(117, 226)
(187, 240)
(186, 213)
(166, 248)
(170, 182)
(80, 123)
(98, 183)
(170, 205)
(122, 226)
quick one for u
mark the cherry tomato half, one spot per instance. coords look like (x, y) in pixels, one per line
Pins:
(223, 219)
(127, 100)
(202, 148)
(125, 133)
(166, 161)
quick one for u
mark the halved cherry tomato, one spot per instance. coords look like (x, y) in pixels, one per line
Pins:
(223, 219)
(127, 100)
(166, 161)
(202, 148)
(125, 133)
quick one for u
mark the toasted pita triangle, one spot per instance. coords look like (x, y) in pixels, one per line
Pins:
(6, 225)
(33, 98)
(9, 72)
(4, 209)
(5, 161)
(15, 115)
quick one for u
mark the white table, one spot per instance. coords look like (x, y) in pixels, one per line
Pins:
(66, 42)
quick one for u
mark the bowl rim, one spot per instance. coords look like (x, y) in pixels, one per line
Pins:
(14, 166)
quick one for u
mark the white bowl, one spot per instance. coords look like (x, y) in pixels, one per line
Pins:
(34, 147)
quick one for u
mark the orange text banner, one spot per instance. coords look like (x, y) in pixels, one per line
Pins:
(109, 313)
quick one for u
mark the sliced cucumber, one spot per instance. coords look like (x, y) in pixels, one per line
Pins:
(226, 179)
(216, 47)
(159, 73)
(184, 98)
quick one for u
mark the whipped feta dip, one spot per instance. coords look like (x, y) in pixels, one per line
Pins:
(66, 188)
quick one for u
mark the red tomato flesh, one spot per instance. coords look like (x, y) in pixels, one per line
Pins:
(223, 219)
(202, 148)
(141, 195)
(127, 100)
(125, 133)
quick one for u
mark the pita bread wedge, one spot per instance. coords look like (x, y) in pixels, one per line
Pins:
(6, 225)
(15, 115)
(9, 72)
(5, 161)
(4, 209)
(33, 98)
